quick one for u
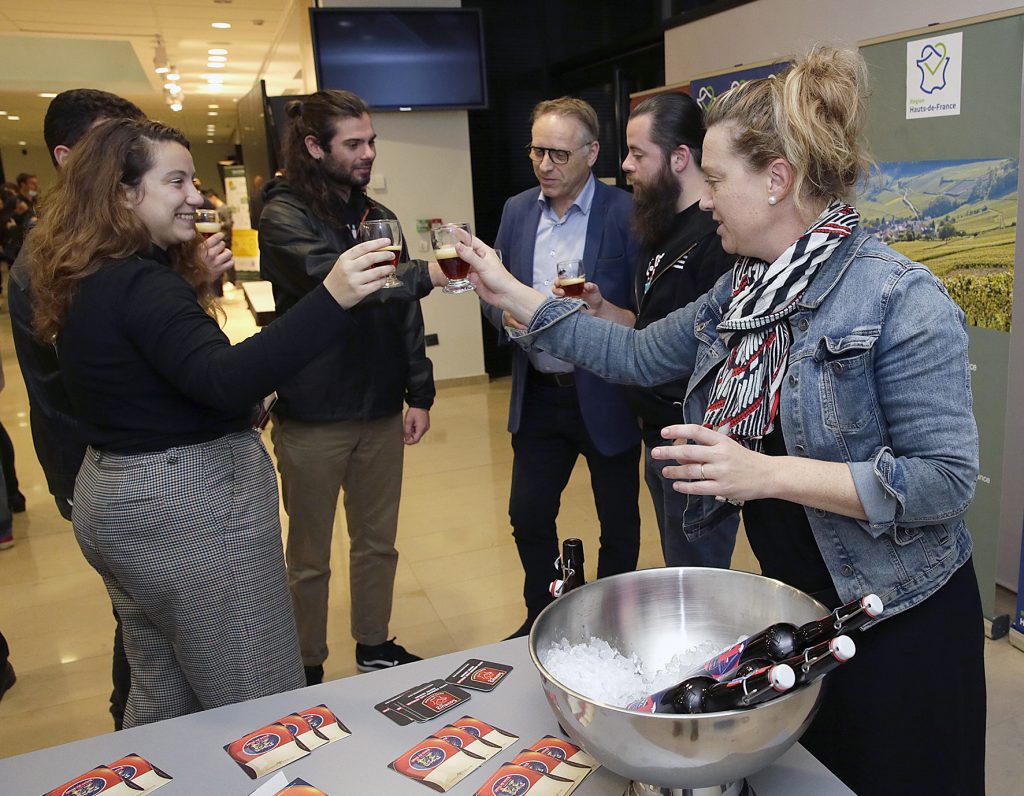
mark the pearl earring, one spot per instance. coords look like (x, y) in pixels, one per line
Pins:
(772, 200)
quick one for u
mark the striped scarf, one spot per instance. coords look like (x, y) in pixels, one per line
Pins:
(746, 394)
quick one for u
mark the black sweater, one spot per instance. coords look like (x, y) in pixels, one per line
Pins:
(147, 369)
(682, 269)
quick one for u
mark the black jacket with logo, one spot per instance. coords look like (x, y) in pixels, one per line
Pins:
(366, 374)
(682, 269)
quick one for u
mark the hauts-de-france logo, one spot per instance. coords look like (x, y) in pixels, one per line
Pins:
(932, 64)
(313, 719)
(261, 743)
(536, 765)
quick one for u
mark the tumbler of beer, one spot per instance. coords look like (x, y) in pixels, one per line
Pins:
(207, 222)
(571, 277)
(385, 228)
(443, 239)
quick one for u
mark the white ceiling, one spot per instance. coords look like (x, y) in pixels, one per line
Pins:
(48, 46)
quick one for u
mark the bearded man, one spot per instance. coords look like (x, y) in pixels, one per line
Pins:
(681, 258)
(338, 425)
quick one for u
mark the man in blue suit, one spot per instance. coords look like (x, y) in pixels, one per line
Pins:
(558, 412)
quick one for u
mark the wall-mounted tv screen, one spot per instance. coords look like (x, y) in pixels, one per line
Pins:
(402, 58)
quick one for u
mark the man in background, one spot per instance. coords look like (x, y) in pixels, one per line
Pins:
(556, 412)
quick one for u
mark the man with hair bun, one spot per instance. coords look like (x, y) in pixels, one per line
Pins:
(829, 400)
(681, 258)
(557, 412)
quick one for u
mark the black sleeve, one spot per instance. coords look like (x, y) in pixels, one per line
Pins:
(186, 346)
(293, 254)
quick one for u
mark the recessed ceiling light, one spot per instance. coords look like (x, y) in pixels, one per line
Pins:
(14, 118)
(212, 113)
(21, 143)
(47, 95)
(217, 51)
(3, 113)
(209, 140)
(173, 75)
(213, 59)
(213, 106)
(215, 65)
(223, 25)
(215, 78)
(162, 70)
(175, 106)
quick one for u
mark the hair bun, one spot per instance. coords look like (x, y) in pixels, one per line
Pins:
(294, 109)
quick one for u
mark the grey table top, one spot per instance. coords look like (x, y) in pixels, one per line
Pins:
(190, 748)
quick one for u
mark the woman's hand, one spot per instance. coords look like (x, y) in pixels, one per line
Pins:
(599, 306)
(359, 272)
(217, 256)
(716, 465)
(494, 284)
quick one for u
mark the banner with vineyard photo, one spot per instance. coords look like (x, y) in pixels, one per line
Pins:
(959, 218)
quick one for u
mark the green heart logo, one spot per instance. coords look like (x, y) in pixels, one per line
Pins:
(937, 47)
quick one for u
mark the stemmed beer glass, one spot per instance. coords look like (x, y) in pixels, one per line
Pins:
(385, 228)
(207, 222)
(443, 239)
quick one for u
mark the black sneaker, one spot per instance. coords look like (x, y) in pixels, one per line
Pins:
(369, 657)
(7, 679)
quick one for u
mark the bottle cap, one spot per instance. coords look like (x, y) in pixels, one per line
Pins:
(872, 605)
(842, 648)
(556, 587)
(781, 677)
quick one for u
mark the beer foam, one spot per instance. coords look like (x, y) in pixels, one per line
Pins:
(445, 253)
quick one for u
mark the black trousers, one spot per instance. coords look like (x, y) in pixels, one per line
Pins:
(907, 714)
(551, 437)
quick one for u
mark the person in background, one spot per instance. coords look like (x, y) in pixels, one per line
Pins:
(338, 424)
(7, 676)
(829, 400)
(176, 502)
(227, 221)
(681, 259)
(556, 412)
(6, 532)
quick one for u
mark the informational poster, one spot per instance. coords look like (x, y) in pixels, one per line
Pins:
(707, 89)
(934, 72)
(237, 196)
(946, 195)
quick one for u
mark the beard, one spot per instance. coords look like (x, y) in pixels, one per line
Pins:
(342, 177)
(654, 208)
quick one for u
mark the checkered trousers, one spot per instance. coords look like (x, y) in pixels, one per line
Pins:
(188, 542)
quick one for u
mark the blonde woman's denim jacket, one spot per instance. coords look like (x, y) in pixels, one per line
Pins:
(877, 377)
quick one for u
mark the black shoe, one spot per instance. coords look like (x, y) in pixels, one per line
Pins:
(314, 674)
(524, 629)
(382, 656)
(7, 679)
(16, 503)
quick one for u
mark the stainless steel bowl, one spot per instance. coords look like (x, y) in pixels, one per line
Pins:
(658, 613)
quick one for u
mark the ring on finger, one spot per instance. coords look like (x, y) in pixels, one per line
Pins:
(702, 476)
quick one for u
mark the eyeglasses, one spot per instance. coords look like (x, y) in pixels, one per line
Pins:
(558, 156)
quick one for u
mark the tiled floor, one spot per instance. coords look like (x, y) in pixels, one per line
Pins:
(458, 583)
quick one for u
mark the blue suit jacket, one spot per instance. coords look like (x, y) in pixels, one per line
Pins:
(608, 257)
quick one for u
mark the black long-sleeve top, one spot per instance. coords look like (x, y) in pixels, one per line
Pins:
(147, 369)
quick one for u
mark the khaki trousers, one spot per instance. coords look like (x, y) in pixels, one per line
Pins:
(316, 462)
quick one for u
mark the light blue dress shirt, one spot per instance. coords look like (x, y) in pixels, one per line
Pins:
(558, 239)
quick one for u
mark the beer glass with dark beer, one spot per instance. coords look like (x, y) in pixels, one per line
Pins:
(571, 277)
(207, 222)
(443, 239)
(385, 228)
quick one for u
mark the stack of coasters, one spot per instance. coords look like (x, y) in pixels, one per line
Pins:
(551, 767)
(286, 740)
(445, 758)
(423, 702)
(130, 775)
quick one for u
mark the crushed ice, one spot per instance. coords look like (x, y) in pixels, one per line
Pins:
(600, 672)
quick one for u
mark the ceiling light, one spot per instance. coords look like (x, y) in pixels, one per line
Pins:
(174, 88)
(173, 74)
(21, 143)
(217, 58)
(3, 113)
(14, 118)
(215, 65)
(223, 25)
(214, 78)
(209, 140)
(162, 70)
(47, 95)
(160, 64)
(176, 106)
(212, 113)
(213, 106)
(217, 51)
(214, 88)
